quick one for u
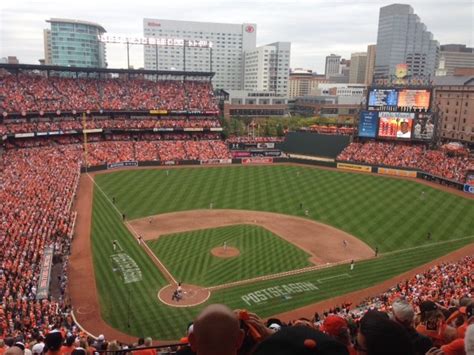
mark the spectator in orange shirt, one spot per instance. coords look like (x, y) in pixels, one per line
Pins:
(67, 348)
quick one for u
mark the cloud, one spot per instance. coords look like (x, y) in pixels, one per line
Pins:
(316, 28)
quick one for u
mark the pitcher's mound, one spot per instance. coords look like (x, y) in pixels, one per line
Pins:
(190, 296)
(228, 252)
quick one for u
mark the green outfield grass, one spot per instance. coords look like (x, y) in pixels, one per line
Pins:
(384, 212)
(187, 255)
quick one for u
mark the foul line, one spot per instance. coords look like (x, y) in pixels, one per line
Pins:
(281, 274)
(426, 245)
(333, 277)
(136, 235)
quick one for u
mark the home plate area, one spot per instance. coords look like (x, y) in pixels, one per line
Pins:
(190, 295)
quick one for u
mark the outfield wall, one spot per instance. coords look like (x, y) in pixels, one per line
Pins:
(344, 166)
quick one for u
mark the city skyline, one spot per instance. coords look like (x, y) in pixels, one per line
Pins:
(315, 28)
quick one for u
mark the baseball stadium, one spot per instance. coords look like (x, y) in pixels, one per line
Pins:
(126, 211)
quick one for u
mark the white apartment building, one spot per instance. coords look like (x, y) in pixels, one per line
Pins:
(225, 58)
(267, 68)
(341, 89)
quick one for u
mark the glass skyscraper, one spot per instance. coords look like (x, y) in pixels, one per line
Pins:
(403, 39)
(75, 43)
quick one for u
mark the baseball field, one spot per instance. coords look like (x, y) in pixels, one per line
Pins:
(272, 271)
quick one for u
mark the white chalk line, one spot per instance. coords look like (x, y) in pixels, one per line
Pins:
(344, 275)
(135, 233)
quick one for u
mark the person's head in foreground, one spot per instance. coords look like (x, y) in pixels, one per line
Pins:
(378, 335)
(216, 331)
(300, 340)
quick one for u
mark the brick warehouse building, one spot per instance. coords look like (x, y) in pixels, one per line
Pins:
(454, 101)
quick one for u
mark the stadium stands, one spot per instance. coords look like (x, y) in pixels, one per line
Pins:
(35, 93)
(39, 177)
(120, 123)
(405, 155)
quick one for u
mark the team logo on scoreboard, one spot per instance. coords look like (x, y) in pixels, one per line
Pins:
(249, 29)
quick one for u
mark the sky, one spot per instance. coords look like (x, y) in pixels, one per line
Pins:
(316, 28)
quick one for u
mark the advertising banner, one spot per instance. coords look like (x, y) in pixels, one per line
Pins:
(158, 112)
(469, 188)
(95, 130)
(246, 161)
(122, 164)
(396, 172)
(240, 154)
(45, 274)
(354, 167)
(266, 145)
(169, 162)
(215, 161)
(368, 124)
(25, 135)
(236, 146)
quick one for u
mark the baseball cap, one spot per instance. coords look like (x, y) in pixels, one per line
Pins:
(300, 341)
(333, 324)
(101, 337)
(427, 306)
(276, 327)
(20, 345)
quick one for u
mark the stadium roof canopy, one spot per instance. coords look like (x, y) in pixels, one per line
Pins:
(453, 80)
(15, 68)
(87, 23)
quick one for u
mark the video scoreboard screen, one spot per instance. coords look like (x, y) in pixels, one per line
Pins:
(399, 100)
(411, 100)
(395, 125)
(382, 99)
(368, 124)
(423, 126)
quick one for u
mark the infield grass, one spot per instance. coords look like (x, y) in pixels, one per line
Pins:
(188, 255)
(384, 212)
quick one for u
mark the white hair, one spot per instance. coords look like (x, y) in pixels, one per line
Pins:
(469, 340)
(403, 311)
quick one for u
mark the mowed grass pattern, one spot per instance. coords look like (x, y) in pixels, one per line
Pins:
(386, 212)
(188, 255)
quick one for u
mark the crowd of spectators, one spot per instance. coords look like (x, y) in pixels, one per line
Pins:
(35, 214)
(406, 155)
(143, 123)
(37, 190)
(165, 150)
(35, 93)
(430, 313)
